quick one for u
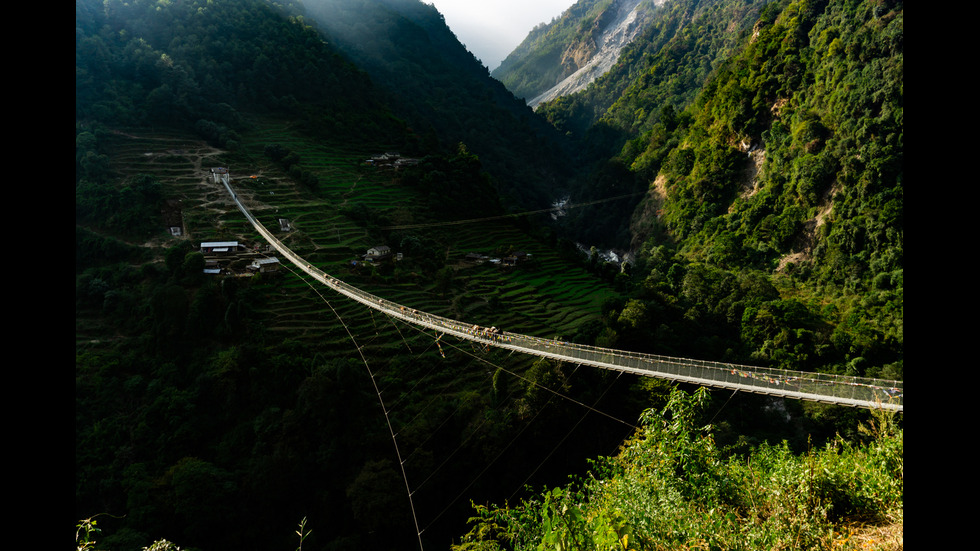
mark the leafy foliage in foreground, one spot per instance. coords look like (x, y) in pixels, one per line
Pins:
(671, 488)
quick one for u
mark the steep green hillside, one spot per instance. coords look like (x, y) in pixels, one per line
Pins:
(447, 95)
(815, 102)
(667, 65)
(218, 411)
(200, 64)
(785, 167)
(662, 70)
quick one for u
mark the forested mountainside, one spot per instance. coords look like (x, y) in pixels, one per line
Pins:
(139, 63)
(219, 411)
(756, 148)
(446, 94)
(553, 52)
(626, 101)
(788, 161)
(667, 65)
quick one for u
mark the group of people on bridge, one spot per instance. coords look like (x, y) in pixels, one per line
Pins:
(491, 333)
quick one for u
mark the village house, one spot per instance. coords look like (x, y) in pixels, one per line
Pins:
(391, 159)
(515, 259)
(264, 265)
(378, 253)
(219, 247)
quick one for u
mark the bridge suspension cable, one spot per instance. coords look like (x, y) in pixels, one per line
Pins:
(828, 388)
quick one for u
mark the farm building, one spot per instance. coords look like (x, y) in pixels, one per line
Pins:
(381, 252)
(264, 265)
(219, 247)
(516, 258)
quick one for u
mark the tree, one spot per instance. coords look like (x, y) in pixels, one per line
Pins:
(193, 268)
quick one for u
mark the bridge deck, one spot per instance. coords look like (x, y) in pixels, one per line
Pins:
(835, 389)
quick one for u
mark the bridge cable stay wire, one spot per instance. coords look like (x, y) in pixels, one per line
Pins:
(402, 460)
(421, 379)
(491, 462)
(526, 425)
(428, 404)
(374, 383)
(713, 417)
(530, 382)
(511, 215)
(473, 433)
(432, 435)
(418, 382)
(567, 434)
(461, 444)
(392, 320)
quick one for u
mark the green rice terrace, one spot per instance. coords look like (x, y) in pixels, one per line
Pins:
(337, 223)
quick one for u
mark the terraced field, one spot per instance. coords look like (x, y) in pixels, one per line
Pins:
(545, 297)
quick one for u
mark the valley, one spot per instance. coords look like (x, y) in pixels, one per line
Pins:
(221, 404)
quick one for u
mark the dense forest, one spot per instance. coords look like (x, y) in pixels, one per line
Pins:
(787, 164)
(446, 95)
(744, 157)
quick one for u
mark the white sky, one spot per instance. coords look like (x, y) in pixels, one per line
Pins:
(491, 29)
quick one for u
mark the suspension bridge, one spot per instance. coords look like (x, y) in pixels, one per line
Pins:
(834, 389)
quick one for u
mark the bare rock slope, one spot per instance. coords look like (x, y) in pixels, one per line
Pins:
(623, 21)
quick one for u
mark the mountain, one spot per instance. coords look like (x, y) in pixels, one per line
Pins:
(573, 50)
(747, 154)
(663, 69)
(668, 64)
(177, 64)
(783, 154)
(446, 94)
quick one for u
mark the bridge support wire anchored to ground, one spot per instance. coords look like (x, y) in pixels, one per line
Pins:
(834, 389)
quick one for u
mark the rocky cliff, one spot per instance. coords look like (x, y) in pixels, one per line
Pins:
(573, 50)
(590, 57)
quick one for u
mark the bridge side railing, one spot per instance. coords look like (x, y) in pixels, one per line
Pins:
(839, 389)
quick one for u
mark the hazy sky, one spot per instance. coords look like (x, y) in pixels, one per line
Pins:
(491, 29)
